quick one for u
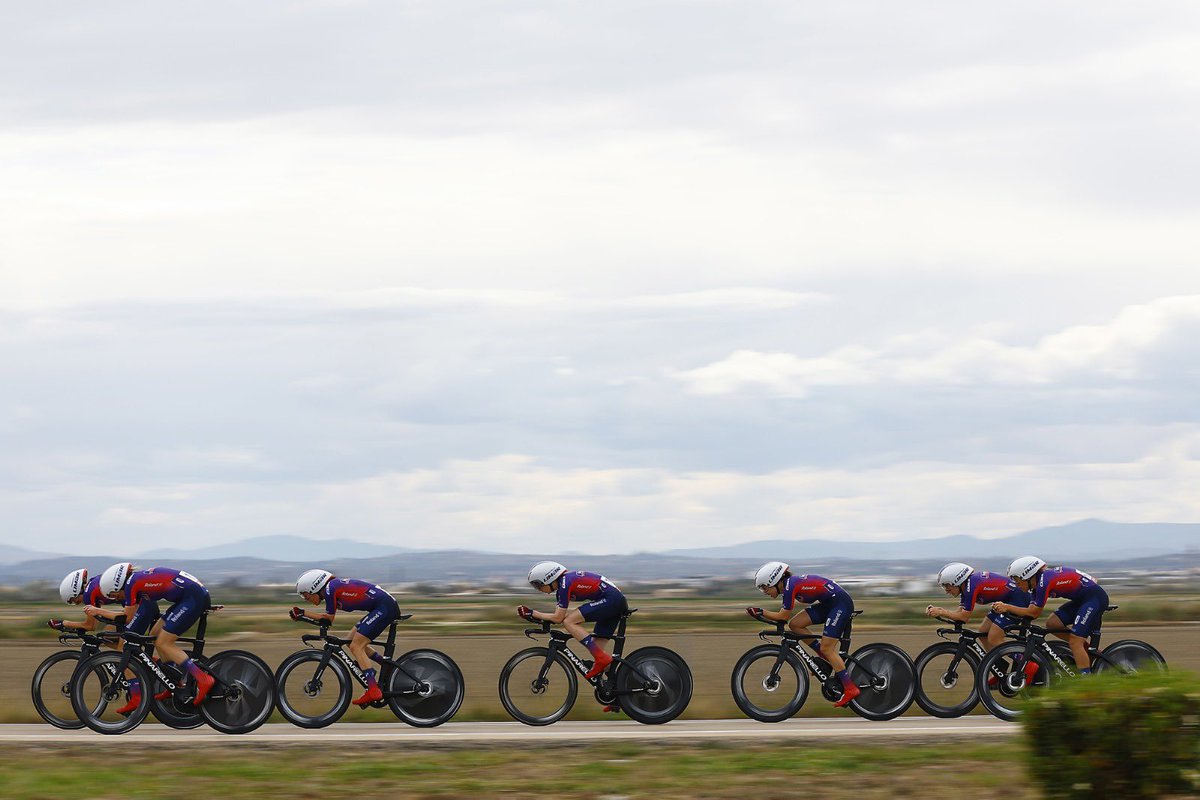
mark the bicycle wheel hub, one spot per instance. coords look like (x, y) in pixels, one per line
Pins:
(424, 688)
(949, 680)
(312, 688)
(770, 684)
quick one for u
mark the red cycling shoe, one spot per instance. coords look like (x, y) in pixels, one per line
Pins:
(849, 693)
(603, 659)
(204, 682)
(373, 694)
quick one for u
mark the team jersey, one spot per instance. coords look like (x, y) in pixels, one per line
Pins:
(92, 596)
(160, 583)
(349, 594)
(809, 589)
(986, 587)
(1064, 582)
(580, 585)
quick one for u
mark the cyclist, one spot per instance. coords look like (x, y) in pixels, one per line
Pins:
(76, 590)
(604, 604)
(141, 590)
(1076, 619)
(829, 604)
(977, 588)
(347, 594)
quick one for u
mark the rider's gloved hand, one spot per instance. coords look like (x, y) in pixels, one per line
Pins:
(296, 613)
(57, 624)
(754, 612)
(525, 612)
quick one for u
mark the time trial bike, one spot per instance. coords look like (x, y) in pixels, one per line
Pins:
(422, 687)
(770, 682)
(539, 686)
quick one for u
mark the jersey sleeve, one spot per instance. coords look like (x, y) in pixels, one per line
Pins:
(968, 596)
(330, 598)
(789, 597)
(1041, 592)
(563, 595)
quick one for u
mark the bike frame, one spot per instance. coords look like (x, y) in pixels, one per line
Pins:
(139, 647)
(795, 642)
(1036, 638)
(558, 644)
(334, 647)
(967, 640)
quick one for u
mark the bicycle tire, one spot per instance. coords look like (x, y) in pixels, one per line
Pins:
(887, 679)
(929, 664)
(248, 692)
(431, 706)
(1129, 656)
(748, 666)
(1004, 699)
(290, 704)
(90, 699)
(66, 722)
(512, 696)
(670, 685)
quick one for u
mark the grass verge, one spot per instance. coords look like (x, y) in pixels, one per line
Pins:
(609, 770)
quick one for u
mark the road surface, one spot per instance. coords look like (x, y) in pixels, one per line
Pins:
(911, 729)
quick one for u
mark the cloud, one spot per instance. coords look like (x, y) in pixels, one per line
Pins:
(1117, 350)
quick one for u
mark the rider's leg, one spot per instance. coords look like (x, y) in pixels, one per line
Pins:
(799, 624)
(367, 629)
(1079, 649)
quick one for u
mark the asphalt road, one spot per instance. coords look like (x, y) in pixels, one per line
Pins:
(912, 729)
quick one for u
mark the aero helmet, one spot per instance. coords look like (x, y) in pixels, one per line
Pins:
(545, 572)
(769, 573)
(73, 585)
(954, 573)
(1025, 567)
(115, 577)
(313, 581)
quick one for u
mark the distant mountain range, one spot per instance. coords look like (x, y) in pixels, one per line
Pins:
(1085, 539)
(279, 559)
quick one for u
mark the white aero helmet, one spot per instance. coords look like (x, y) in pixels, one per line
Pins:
(115, 577)
(955, 573)
(545, 572)
(73, 585)
(313, 581)
(769, 573)
(1025, 567)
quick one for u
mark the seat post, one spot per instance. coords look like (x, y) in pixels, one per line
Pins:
(390, 647)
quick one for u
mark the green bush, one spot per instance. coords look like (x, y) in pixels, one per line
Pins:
(1116, 736)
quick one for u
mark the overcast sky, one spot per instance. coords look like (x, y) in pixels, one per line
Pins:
(595, 276)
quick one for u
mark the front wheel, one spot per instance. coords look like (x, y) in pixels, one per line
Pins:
(1129, 657)
(945, 681)
(886, 676)
(311, 695)
(654, 685)
(428, 691)
(99, 691)
(243, 696)
(51, 690)
(764, 692)
(538, 687)
(1003, 696)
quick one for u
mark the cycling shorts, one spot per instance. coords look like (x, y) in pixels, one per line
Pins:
(1082, 615)
(377, 619)
(834, 612)
(606, 612)
(186, 611)
(145, 616)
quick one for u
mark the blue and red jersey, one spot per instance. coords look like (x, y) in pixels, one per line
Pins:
(92, 596)
(349, 594)
(579, 585)
(809, 589)
(1065, 582)
(988, 588)
(161, 583)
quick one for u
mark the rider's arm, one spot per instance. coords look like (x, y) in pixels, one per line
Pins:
(105, 614)
(958, 614)
(89, 624)
(557, 616)
(1021, 611)
(321, 616)
(782, 615)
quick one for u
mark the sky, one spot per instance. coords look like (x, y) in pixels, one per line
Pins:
(595, 277)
